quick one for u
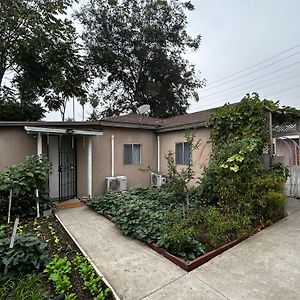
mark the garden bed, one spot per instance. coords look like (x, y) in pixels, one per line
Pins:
(59, 243)
(189, 266)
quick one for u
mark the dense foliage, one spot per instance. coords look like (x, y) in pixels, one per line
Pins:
(235, 196)
(178, 235)
(136, 48)
(29, 253)
(39, 57)
(23, 179)
(138, 213)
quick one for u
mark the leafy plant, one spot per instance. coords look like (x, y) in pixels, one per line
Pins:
(106, 204)
(23, 179)
(29, 253)
(59, 270)
(92, 282)
(178, 180)
(139, 218)
(178, 236)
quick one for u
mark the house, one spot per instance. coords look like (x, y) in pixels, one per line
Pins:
(84, 154)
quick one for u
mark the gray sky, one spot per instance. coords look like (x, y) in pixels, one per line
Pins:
(237, 34)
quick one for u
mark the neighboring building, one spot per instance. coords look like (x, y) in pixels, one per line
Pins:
(83, 154)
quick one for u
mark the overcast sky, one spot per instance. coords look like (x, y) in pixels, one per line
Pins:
(236, 35)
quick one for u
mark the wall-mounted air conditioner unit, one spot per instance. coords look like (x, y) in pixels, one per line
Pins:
(123, 183)
(157, 179)
(117, 184)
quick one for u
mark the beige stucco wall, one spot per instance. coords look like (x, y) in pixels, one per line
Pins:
(200, 156)
(102, 158)
(15, 145)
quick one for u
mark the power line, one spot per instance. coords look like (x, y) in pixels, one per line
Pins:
(242, 94)
(259, 63)
(286, 89)
(252, 72)
(249, 81)
(267, 83)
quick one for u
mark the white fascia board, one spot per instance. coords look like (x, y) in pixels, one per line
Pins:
(35, 130)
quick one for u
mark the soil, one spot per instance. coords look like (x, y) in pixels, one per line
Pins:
(64, 247)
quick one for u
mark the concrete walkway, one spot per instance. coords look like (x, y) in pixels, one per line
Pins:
(265, 266)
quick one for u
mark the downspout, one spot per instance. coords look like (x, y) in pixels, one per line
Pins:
(39, 144)
(90, 167)
(158, 153)
(112, 156)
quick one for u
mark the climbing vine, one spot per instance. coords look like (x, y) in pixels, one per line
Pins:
(239, 134)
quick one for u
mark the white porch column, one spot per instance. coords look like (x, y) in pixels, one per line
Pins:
(90, 167)
(39, 144)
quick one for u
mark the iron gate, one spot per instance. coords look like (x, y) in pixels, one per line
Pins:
(67, 168)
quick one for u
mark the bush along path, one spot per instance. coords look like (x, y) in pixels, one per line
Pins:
(235, 197)
(54, 264)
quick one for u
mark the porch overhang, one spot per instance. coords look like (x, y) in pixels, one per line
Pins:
(61, 131)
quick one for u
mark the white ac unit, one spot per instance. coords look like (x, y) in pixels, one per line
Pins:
(118, 183)
(157, 179)
(123, 183)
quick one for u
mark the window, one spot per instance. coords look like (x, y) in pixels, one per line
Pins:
(183, 154)
(132, 154)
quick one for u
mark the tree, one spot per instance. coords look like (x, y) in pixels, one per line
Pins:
(135, 50)
(39, 56)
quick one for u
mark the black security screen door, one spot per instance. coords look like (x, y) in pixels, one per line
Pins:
(67, 167)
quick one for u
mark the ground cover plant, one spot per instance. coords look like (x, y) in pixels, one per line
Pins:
(45, 257)
(235, 197)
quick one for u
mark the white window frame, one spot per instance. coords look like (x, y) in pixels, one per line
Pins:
(182, 162)
(132, 154)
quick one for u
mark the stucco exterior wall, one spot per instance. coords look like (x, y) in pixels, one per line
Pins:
(15, 145)
(102, 158)
(200, 156)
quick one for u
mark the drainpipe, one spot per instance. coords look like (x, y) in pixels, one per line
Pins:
(39, 144)
(112, 156)
(158, 153)
(90, 167)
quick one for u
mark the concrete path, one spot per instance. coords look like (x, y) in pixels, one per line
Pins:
(265, 266)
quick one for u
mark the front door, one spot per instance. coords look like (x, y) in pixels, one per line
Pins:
(67, 167)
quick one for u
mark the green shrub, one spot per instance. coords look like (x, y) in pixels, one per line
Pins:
(29, 253)
(107, 203)
(24, 287)
(178, 235)
(139, 218)
(24, 179)
(223, 227)
(268, 198)
(232, 164)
